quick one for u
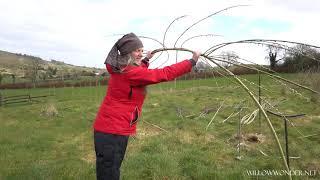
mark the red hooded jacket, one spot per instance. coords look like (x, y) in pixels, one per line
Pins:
(121, 107)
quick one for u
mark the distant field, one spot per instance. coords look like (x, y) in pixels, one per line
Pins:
(52, 138)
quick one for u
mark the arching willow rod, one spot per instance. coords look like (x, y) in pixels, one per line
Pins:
(215, 13)
(250, 94)
(248, 67)
(163, 46)
(218, 46)
(165, 33)
(272, 43)
(265, 72)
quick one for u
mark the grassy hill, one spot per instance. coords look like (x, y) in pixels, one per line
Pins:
(19, 65)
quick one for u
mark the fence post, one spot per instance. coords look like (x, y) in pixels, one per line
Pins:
(239, 134)
(286, 140)
(260, 131)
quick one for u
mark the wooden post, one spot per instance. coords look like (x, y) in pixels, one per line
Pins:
(239, 133)
(286, 140)
(259, 102)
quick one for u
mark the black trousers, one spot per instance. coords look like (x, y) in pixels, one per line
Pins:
(110, 150)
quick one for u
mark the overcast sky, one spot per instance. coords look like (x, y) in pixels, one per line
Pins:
(81, 32)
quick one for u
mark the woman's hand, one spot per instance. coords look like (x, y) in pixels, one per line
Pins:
(149, 55)
(196, 55)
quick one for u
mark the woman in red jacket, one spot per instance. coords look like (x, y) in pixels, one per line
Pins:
(119, 112)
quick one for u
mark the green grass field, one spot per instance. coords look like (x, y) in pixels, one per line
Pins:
(53, 139)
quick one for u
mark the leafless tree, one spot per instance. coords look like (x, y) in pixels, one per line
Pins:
(32, 70)
(230, 57)
(273, 54)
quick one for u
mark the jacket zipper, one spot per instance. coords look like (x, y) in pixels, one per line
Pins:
(134, 116)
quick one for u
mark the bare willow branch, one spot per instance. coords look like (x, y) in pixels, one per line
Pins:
(263, 153)
(165, 33)
(215, 13)
(231, 115)
(273, 75)
(309, 136)
(214, 115)
(171, 49)
(156, 126)
(160, 44)
(285, 115)
(218, 46)
(212, 58)
(202, 35)
(249, 118)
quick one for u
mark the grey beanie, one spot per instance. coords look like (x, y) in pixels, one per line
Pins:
(128, 43)
(124, 45)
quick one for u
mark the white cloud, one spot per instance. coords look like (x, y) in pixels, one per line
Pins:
(78, 31)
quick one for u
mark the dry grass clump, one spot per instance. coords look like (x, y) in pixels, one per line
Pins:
(49, 110)
(246, 138)
(255, 138)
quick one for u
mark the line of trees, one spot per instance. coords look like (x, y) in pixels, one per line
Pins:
(296, 59)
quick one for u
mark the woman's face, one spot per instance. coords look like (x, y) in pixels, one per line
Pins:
(137, 55)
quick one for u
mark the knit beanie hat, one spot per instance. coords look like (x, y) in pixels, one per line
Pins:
(124, 46)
